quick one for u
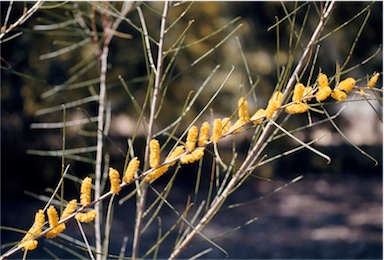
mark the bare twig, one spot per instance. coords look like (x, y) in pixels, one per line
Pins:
(143, 194)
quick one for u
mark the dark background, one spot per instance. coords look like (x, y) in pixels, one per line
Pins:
(335, 211)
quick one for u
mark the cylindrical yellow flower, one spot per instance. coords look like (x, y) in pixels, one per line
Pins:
(225, 125)
(204, 134)
(193, 132)
(154, 153)
(28, 243)
(157, 173)
(53, 217)
(274, 103)
(296, 108)
(298, 92)
(242, 106)
(323, 93)
(194, 156)
(85, 191)
(114, 178)
(258, 116)
(347, 84)
(339, 95)
(69, 209)
(132, 167)
(176, 153)
(217, 130)
(372, 82)
(322, 80)
(53, 220)
(86, 217)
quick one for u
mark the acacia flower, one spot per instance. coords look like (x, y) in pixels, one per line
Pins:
(154, 153)
(217, 130)
(69, 209)
(242, 106)
(204, 134)
(86, 217)
(28, 243)
(372, 82)
(298, 92)
(191, 138)
(132, 167)
(274, 103)
(194, 156)
(85, 191)
(226, 125)
(114, 178)
(53, 220)
(296, 108)
(323, 93)
(258, 116)
(322, 80)
(176, 153)
(347, 84)
(339, 95)
(156, 173)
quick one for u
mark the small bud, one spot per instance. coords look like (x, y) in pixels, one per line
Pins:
(372, 82)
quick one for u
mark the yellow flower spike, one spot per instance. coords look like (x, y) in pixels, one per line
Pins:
(154, 153)
(132, 167)
(298, 92)
(193, 157)
(204, 134)
(323, 93)
(217, 130)
(69, 209)
(297, 108)
(236, 126)
(157, 173)
(307, 93)
(274, 103)
(191, 138)
(28, 243)
(242, 106)
(176, 153)
(53, 220)
(347, 84)
(114, 178)
(198, 153)
(53, 217)
(226, 125)
(85, 191)
(372, 82)
(86, 217)
(339, 95)
(258, 116)
(322, 80)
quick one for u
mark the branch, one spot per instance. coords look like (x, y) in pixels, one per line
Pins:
(252, 156)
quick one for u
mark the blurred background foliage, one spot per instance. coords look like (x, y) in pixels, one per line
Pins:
(29, 77)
